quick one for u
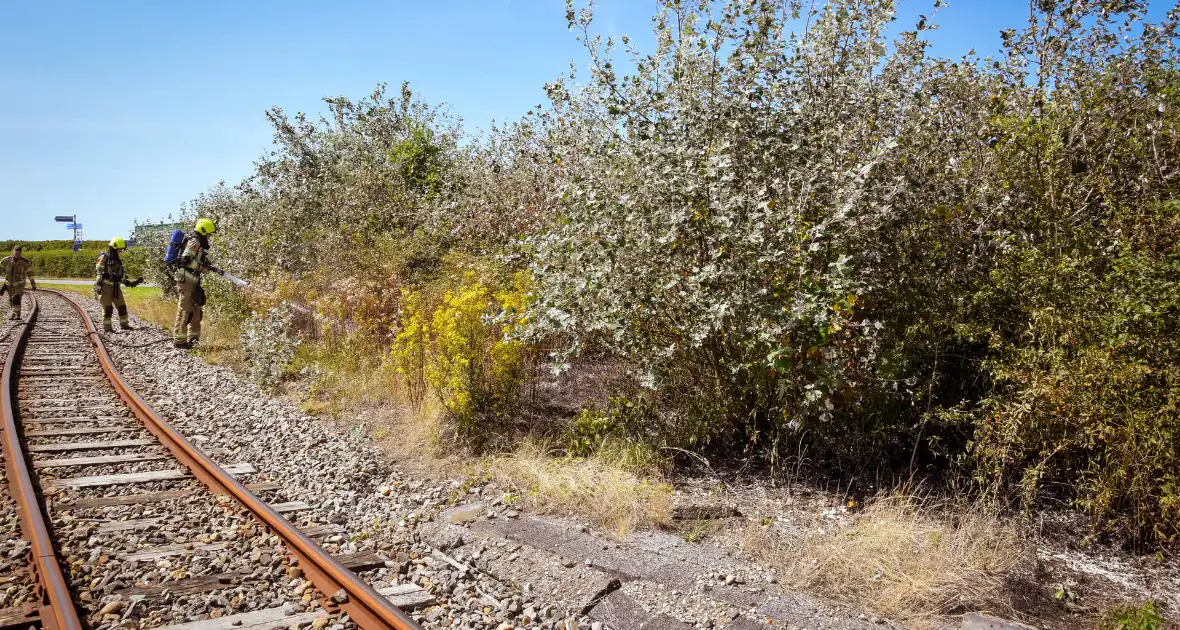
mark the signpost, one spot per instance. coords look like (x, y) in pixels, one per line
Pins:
(72, 224)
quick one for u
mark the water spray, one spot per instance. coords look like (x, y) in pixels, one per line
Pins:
(234, 279)
(244, 284)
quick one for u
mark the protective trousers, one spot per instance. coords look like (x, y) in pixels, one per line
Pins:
(14, 300)
(189, 310)
(111, 297)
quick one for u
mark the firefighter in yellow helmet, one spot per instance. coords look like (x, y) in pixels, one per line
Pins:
(109, 280)
(16, 269)
(192, 262)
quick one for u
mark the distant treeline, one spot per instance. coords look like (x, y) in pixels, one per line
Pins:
(38, 246)
(57, 259)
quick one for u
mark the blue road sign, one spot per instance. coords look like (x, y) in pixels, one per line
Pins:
(73, 226)
(60, 219)
(77, 245)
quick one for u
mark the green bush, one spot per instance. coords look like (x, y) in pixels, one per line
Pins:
(843, 243)
(464, 351)
(1128, 617)
(34, 246)
(268, 345)
(57, 259)
(1088, 391)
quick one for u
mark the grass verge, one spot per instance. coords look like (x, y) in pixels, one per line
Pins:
(598, 487)
(347, 374)
(903, 557)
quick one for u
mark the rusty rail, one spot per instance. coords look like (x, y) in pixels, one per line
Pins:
(364, 605)
(55, 606)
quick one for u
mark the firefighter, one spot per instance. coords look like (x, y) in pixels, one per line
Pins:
(17, 269)
(193, 261)
(109, 281)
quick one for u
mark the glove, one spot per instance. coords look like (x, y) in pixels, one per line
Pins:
(136, 282)
(97, 289)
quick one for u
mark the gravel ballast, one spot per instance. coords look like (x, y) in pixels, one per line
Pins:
(144, 563)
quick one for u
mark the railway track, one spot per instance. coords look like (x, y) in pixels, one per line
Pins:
(113, 519)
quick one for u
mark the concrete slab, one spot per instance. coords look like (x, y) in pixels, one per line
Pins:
(673, 546)
(980, 621)
(561, 556)
(619, 611)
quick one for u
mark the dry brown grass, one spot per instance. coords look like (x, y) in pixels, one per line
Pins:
(353, 375)
(903, 557)
(220, 346)
(599, 488)
(411, 433)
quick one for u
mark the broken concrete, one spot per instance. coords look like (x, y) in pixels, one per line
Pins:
(980, 621)
(566, 561)
(620, 611)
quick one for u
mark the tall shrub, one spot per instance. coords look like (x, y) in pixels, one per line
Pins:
(834, 238)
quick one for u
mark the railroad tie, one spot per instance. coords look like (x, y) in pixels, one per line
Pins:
(98, 459)
(97, 481)
(155, 497)
(87, 446)
(79, 431)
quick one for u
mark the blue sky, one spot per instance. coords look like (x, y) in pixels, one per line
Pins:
(125, 109)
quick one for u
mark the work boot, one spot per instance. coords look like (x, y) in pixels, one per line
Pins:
(107, 327)
(126, 325)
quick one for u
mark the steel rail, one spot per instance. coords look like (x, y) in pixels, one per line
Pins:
(367, 608)
(55, 605)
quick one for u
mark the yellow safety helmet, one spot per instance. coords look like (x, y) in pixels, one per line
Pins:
(205, 227)
(118, 243)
